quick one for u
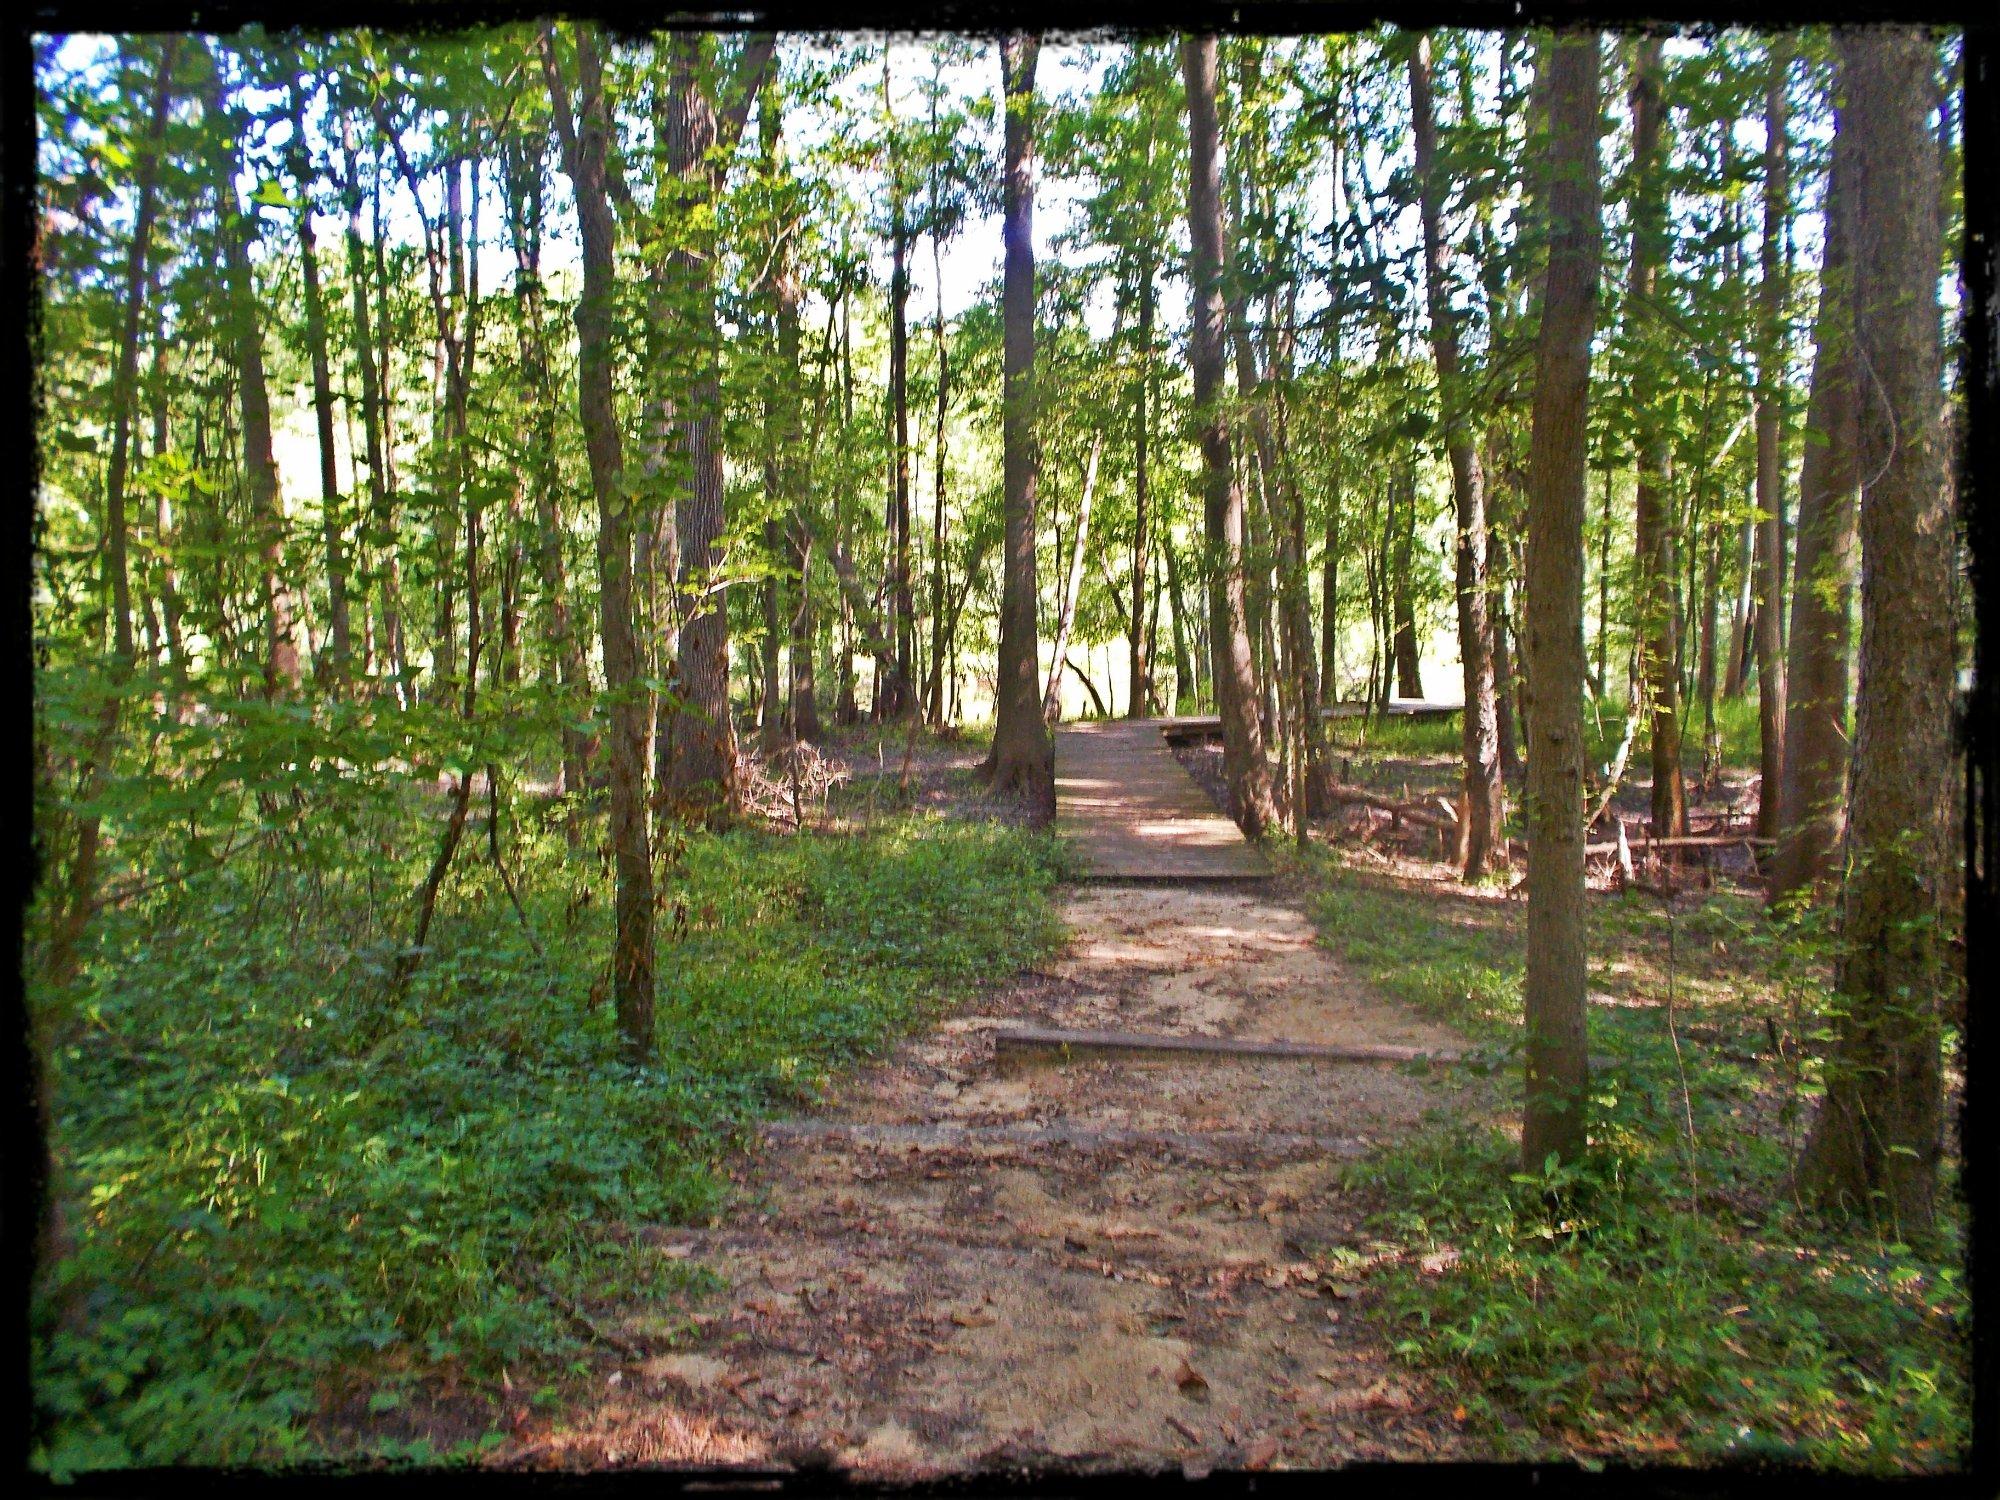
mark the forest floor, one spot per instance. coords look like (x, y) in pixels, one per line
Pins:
(1099, 1265)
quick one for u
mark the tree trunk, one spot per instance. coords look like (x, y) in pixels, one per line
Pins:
(1876, 1144)
(395, 638)
(378, 534)
(935, 696)
(281, 606)
(335, 664)
(163, 513)
(1187, 687)
(565, 645)
(1073, 585)
(1558, 1065)
(1337, 292)
(584, 144)
(1770, 456)
(69, 926)
(1023, 758)
(1810, 797)
(897, 698)
(1657, 642)
(1229, 634)
(1485, 794)
(698, 753)
(1142, 664)
(1409, 672)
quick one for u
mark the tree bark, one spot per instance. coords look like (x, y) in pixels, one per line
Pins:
(1876, 1143)
(1770, 456)
(379, 533)
(1485, 793)
(935, 695)
(898, 698)
(281, 606)
(1187, 687)
(1657, 628)
(1073, 585)
(1236, 692)
(336, 665)
(1337, 293)
(697, 750)
(699, 775)
(69, 925)
(395, 638)
(1142, 519)
(565, 644)
(1558, 1065)
(1409, 670)
(1023, 758)
(585, 140)
(1810, 798)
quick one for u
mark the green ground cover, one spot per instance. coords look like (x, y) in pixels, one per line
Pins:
(1667, 1300)
(283, 1189)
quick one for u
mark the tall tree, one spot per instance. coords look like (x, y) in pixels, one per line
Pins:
(1485, 793)
(1875, 1144)
(335, 661)
(698, 751)
(282, 673)
(1811, 797)
(585, 137)
(524, 179)
(897, 698)
(1657, 637)
(1770, 543)
(69, 927)
(1236, 691)
(1558, 1063)
(1023, 757)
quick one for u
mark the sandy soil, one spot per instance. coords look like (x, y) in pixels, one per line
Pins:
(1099, 1265)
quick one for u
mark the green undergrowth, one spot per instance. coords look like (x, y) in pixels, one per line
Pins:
(1406, 737)
(1668, 1300)
(284, 1193)
(1398, 735)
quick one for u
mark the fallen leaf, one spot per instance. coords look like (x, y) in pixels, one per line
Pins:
(1261, 1453)
(1190, 1380)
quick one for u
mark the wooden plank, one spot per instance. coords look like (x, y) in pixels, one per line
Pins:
(953, 1137)
(1019, 1045)
(1201, 726)
(1132, 813)
(1027, 1043)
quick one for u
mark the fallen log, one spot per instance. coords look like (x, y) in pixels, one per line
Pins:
(1361, 796)
(1687, 841)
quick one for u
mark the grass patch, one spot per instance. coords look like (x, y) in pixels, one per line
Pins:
(1676, 1304)
(282, 1191)
(1399, 735)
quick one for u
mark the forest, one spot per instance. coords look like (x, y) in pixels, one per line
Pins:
(586, 586)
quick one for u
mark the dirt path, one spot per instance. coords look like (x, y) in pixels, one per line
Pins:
(1097, 1265)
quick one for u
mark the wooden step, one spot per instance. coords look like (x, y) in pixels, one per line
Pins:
(1038, 1044)
(1024, 1045)
(943, 1137)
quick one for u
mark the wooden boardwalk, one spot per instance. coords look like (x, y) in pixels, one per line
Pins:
(1133, 813)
